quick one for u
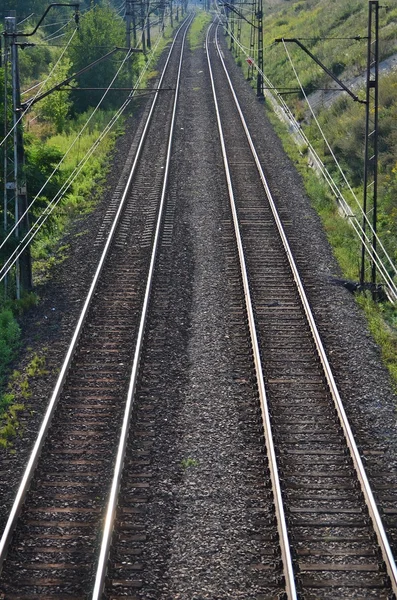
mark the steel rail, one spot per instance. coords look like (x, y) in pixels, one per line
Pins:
(35, 454)
(355, 454)
(278, 501)
(111, 510)
(278, 102)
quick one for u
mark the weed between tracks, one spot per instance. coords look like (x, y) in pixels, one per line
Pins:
(198, 28)
(186, 463)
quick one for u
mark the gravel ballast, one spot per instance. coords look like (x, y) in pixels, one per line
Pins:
(202, 544)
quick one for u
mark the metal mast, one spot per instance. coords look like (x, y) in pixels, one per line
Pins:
(232, 28)
(17, 185)
(370, 199)
(250, 73)
(259, 81)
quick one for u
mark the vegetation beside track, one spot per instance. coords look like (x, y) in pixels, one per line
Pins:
(381, 316)
(327, 29)
(197, 31)
(60, 130)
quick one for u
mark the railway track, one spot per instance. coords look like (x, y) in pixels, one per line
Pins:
(335, 544)
(55, 539)
(298, 510)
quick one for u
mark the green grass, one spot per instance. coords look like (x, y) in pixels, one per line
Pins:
(381, 317)
(382, 320)
(196, 35)
(18, 391)
(10, 335)
(187, 463)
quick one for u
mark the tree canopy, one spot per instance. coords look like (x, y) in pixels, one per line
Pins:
(100, 31)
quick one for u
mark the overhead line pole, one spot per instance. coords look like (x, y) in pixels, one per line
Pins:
(5, 145)
(238, 49)
(250, 74)
(143, 37)
(232, 27)
(23, 266)
(148, 39)
(371, 139)
(371, 149)
(259, 79)
(23, 278)
(5, 148)
(128, 16)
(258, 14)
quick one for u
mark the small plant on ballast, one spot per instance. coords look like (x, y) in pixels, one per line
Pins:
(186, 463)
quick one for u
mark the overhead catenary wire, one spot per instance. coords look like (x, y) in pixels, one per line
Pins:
(52, 205)
(353, 220)
(24, 243)
(238, 42)
(40, 89)
(66, 153)
(63, 158)
(31, 88)
(51, 35)
(55, 24)
(333, 185)
(56, 37)
(25, 19)
(121, 8)
(336, 160)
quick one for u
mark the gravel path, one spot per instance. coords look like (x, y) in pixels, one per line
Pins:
(210, 542)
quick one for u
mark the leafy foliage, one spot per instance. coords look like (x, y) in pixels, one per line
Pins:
(56, 106)
(100, 31)
(41, 159)
(9, 340)
(34, 61)
(24, 8)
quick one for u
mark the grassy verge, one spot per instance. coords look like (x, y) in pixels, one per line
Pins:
(381, 317)
(10, 334)
(18, 392)
(196, 35)
(48, 250)
(84, 193)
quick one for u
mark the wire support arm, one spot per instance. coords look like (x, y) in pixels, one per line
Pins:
(237, 12)
(75, 5)
(320, 64)
(29, 103)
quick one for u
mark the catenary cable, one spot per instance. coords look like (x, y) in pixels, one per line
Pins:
(24, 243)
(39, 91)
(337, 162)
(353, 220)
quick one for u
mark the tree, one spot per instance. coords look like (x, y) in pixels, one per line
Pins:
(56, 106)
(41, 160)
(100, 31)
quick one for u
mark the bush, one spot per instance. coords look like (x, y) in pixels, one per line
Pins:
(9, 340)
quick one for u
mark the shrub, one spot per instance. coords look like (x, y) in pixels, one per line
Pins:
(9, 340)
